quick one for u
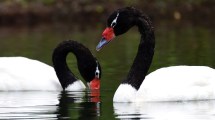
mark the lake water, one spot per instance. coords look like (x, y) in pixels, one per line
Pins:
(82, 105)
(176, 44)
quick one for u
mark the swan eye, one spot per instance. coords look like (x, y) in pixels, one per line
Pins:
(97, 73)
(114, 22)
(97, 70)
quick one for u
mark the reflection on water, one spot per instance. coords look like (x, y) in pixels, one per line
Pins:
(26, 105)
(87, 105)
(49, 105)
(190, 110)
(76, 105)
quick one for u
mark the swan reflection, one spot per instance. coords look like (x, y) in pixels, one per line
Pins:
(200, 110)
(79, 105)
(28, 105)
(49, 105)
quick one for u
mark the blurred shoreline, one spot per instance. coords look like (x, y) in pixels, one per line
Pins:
(93, 12)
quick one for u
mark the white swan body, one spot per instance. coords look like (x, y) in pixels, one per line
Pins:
(176, 83)
(20, 73)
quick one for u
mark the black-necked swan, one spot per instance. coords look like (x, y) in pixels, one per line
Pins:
(21, 73)
(175, 83)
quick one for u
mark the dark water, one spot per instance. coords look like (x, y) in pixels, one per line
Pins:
(176, 44)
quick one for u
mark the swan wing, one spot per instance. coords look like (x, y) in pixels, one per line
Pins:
(178, 83)
(20, 73)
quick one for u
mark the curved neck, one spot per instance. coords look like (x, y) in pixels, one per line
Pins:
(144, 55)
(84, 58)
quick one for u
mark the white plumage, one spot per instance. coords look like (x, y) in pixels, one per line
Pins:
(176, 83)
(20, 73)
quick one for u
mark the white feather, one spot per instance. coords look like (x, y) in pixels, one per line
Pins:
(176, 83)
(76, 86)
(20, 73)
(125, 93)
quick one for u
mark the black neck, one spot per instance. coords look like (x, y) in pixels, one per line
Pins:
(86, 62)
(145, 53)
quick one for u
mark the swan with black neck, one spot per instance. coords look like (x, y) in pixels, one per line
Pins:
(21, 73)
(174, 83)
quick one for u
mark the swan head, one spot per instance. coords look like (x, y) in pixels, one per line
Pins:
(91, 72)
(119, 22)
(95, 83)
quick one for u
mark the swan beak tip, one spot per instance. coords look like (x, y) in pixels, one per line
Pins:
(102, 42)
(97, 48)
